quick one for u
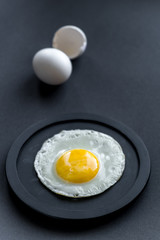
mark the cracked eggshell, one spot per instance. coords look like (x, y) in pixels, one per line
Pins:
(52, 66)
(71, 40)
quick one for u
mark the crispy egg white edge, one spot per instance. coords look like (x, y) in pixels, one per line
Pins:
(61, 187)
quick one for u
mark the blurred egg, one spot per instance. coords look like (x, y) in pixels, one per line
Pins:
(52, 66)
(71, 40)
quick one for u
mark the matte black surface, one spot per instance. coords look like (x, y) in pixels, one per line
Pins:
(117, 77)
(24, 182)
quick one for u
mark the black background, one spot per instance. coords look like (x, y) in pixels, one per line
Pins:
(117, 77)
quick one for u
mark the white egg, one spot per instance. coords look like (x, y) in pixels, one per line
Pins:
(107, 150)
(52, 66)
(71, 40)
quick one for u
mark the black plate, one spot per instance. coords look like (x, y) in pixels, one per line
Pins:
(24, 182)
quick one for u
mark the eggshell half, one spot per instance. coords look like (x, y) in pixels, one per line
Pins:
(71, 40)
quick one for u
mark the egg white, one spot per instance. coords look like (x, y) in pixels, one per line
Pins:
(104, 147)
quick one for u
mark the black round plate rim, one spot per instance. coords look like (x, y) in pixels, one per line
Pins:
(27, 198)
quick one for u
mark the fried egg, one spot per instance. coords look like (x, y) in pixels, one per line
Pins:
(79, 163)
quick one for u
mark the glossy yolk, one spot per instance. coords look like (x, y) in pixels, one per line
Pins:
(77, 166)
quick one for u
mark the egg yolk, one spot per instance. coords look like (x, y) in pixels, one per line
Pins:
(77, 166)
